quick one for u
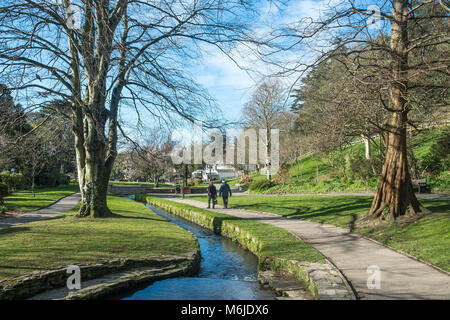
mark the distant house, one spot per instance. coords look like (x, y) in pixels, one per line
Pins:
(226, 172)
(219, 172)
(197, 174)
(210, 175)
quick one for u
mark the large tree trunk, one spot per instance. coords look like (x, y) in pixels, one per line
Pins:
(395, 193)
(93, 168)
(94, 203)
(96, 150)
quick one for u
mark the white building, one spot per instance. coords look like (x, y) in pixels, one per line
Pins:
(219, 172)
(197, 174)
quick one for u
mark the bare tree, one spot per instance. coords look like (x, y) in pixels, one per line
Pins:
(264, 110)
(120, 53)
(34, 153)
(412, 43)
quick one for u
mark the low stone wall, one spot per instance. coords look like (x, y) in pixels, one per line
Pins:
(199, 190)
(323, 281)
(28, 285)
(126, 281)
(161, 190)
(126, 190)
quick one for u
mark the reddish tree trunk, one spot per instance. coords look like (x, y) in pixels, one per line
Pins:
(395, 193)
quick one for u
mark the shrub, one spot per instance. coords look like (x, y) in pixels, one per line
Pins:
(197, 182)
(244, 183)
(17, 181)
(361, 168)
(438, 159)
(3, 192)
(2, 209)
(261, 185)
(282, 175)
(440, 182)
(5, 178)
(47, 180)
(246, 180)
(141, 197)
(13, 181)
(62, 179)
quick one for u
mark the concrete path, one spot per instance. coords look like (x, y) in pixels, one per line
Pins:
(439, 196)
(63, 205)
(401, 277)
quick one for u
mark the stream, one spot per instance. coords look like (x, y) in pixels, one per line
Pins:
(227, 272)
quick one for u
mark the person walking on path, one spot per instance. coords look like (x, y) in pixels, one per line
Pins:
(212, 195)
(225, 192)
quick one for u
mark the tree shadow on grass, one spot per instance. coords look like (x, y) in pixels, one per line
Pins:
(306, 212)
(12, 229)
(437, 206)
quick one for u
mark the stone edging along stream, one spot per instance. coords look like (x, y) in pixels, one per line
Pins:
(130, 272)
(323, 281)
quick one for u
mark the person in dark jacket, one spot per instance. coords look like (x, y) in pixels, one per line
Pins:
(225, 192)
(212, 195)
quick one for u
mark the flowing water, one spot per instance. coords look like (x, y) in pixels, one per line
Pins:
(227, 272)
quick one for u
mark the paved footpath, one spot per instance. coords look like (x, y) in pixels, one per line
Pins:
(63, 205)
(437, 196)
(401, 276)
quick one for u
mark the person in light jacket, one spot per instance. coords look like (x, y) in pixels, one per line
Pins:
(225, 192)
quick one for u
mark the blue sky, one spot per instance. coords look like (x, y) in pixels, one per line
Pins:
(231, 86)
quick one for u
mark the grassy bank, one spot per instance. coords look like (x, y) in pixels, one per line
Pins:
(325, 172)
(427, 238)
(135, 232)
(275, 247)
(25, 201)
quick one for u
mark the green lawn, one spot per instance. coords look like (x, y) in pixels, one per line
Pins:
(65, 240)
(427, 238)
(24, 201)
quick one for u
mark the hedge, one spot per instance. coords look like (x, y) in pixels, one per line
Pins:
(14, 181)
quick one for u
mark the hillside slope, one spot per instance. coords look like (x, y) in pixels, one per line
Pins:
(346, 169)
